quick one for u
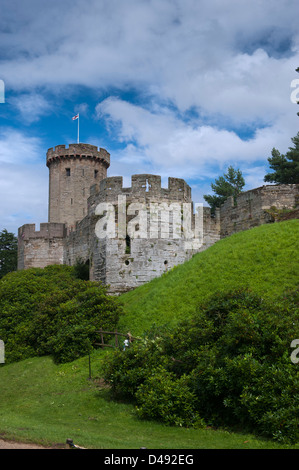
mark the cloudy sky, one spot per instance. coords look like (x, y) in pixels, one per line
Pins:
(180, 88)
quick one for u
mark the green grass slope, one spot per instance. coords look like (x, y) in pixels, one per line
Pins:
(46, 403)
(264, 259)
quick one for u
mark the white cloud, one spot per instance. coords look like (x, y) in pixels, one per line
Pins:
(228, 64)
(24, 192)
(23, 181)
(162, 141)
(31, 106)
(235, 58)
(17, 148)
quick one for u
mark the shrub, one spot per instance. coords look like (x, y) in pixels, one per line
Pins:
(51, 312)
(165, 398)
(231, 359)
(126, 370)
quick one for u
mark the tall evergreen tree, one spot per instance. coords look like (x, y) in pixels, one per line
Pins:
(285, 167)
(8, 252)
(230, 184)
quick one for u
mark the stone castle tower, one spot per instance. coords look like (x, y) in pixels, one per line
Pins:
(71, 173)
(149, 234)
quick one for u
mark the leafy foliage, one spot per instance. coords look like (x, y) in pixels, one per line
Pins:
(82, 269)
(230, 362)
(166, 398)
(50, 311)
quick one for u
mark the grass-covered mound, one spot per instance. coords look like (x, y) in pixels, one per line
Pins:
(51, 312)
(264, 259)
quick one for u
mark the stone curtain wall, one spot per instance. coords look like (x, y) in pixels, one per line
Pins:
(250, 208)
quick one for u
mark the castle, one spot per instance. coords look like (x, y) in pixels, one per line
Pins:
(128, 236)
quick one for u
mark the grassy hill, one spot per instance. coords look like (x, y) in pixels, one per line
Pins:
(47, 403)
(264, 259)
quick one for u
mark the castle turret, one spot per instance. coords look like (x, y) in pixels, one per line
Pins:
(71, 173)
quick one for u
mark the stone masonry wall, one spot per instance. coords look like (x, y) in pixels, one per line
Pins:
(125, 267)
(40, 248)
(250, 208)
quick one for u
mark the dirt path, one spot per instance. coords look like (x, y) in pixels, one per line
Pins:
(21, 445)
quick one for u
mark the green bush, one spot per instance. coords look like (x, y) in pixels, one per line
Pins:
(51, 312)
(232, 359)
(271, 401)
(168, 399)
(126, 370)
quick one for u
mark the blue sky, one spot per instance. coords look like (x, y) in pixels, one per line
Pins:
(180, 88)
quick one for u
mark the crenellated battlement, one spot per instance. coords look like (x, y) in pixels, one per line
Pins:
(146, 186)
(78, 151)
(47, 231)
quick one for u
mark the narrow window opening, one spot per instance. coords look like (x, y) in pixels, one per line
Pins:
(96, 173)
(128, 245)
(68, 172)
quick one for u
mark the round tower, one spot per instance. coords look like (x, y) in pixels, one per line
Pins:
(72, 171)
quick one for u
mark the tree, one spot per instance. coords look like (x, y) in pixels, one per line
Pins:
(286, 167)
(8, 252)
(230, 184)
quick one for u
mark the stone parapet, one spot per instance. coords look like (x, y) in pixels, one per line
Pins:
(143, 187)
(78, 151)
(47, 230)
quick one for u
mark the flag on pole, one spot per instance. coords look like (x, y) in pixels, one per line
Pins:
(74, 118)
